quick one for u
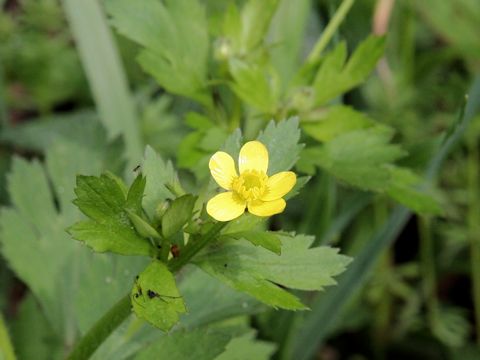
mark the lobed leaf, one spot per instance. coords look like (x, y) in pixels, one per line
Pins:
(260, 273)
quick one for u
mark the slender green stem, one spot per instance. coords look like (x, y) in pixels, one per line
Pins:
(195, 246)
(101, 330)
(330, 30)
(474, 228)
(427, 262)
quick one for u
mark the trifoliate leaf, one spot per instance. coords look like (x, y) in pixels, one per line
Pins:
(257, 271)
(178, 214)
(360, 158)
(175, 40)
(155, 297)
(281, 140)
(200, 344)
(334, 121)
(158, 173)
(334, 79)
(103, 200)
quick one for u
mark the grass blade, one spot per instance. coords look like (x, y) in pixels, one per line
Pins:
(327, 307)
(105, 73)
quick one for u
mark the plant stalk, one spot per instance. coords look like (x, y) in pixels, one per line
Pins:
(101, 330)
(330, 30)
(474, 228)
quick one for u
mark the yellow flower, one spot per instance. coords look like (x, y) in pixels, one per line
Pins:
(252, 189)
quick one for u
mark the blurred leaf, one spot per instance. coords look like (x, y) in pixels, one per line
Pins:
(405, 188)
(287, 32)
(451, 327)
(177, 215)
(326, 310)
(155, 297)
(103, 200)
(105, 73)
(335, 121)
(37, 247)
(32, 335)
(204, 344)
(247, 347)
(6, 347)
(334, 78)
(281, 140)
(256, 271)
(158, 173)
(255, 84)
(175, 40)
(256, 17)
(360, 158)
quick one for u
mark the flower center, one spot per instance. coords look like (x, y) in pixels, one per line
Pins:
(250, 185)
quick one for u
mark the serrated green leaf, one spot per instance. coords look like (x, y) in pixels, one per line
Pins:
(334, 79)
(256, 271)
(405, 187)
(174, 35)
(103, 200)
(247, 347)
(335, 121)
(266, 239)
(178, 214)
(155, 297)
(360, 158)
(158, 173)
(204, 344)
(281, 140)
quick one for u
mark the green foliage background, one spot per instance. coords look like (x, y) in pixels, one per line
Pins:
(375, 125)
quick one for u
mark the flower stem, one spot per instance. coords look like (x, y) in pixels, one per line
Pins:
(101, 330)
(119, 312)
(330, 30)
(193, 248)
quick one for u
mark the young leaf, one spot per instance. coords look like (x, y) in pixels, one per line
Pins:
(135, 195)
(158, 173)
(177, 215)
(360, 158)
(174, 35)
(256, 271)
(335, 121)
(103, 200)
(155, 297)
(333, 79)
(281, 140)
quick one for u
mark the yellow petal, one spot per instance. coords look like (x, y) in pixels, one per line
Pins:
(279, 184)
(267, 208)
(223, 170)
(253, 156)
(225, 206)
